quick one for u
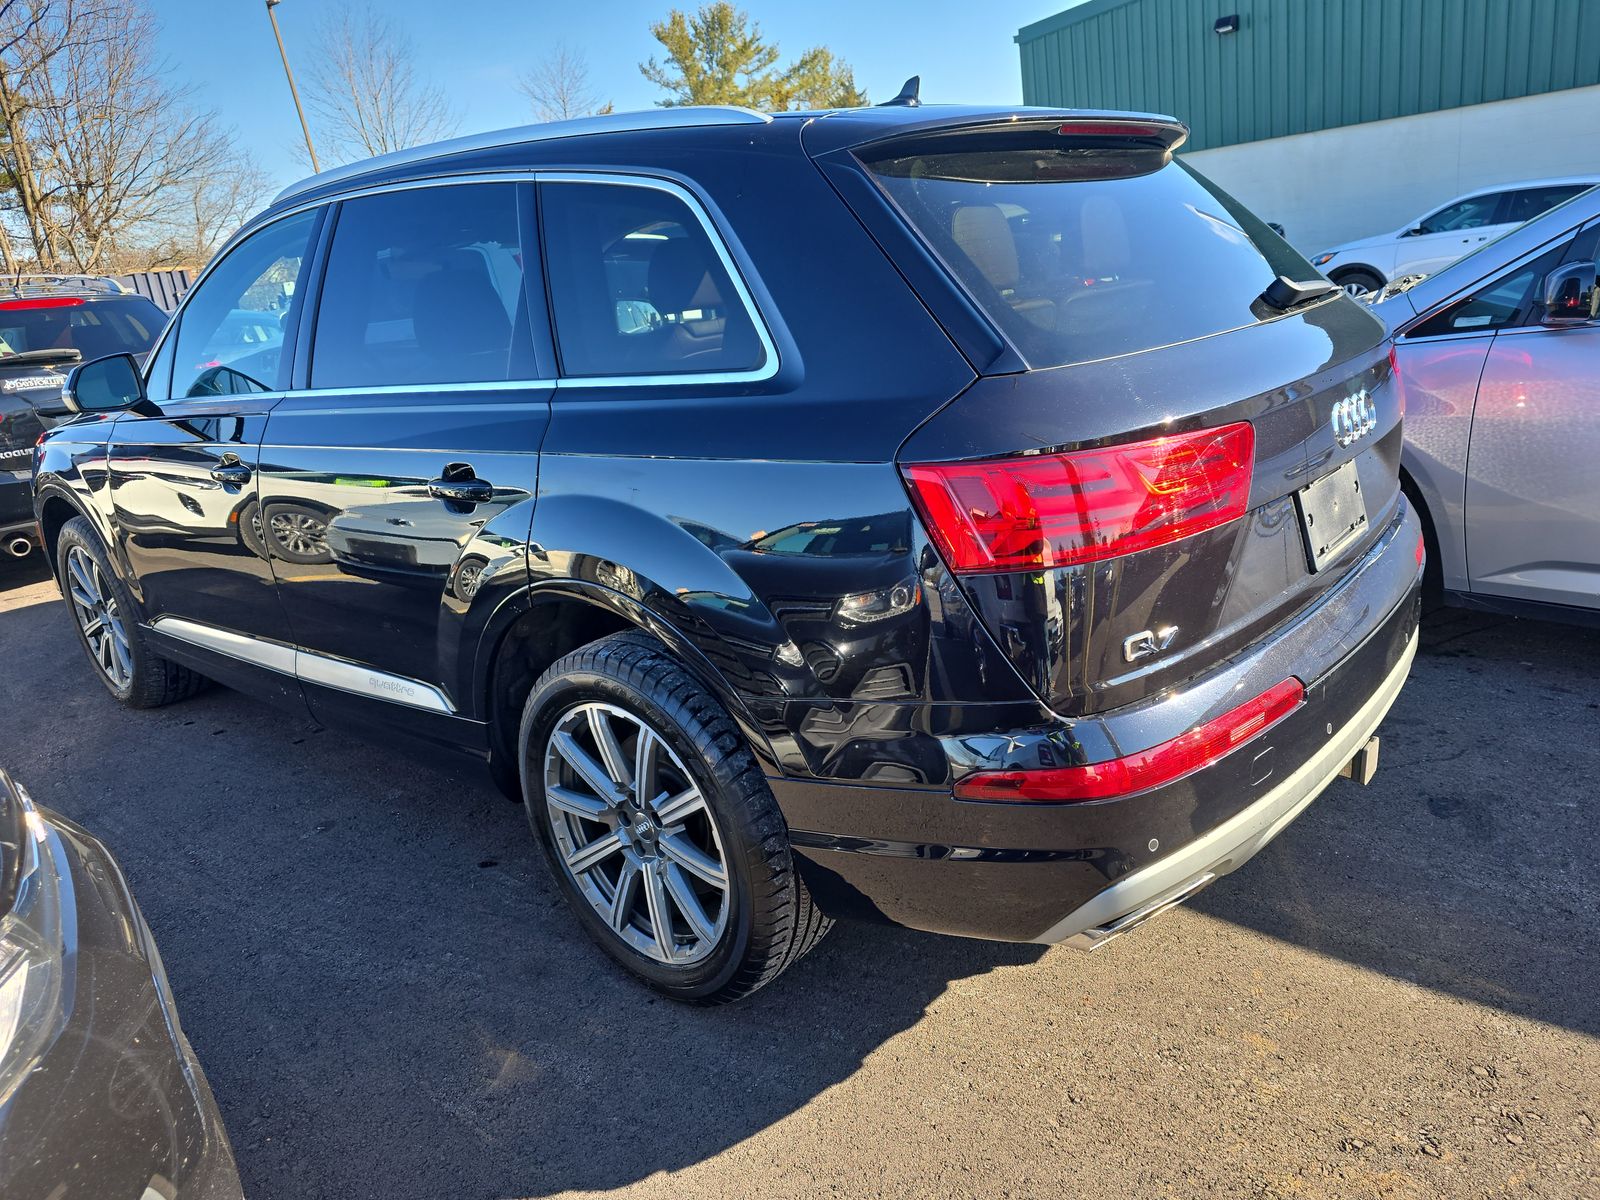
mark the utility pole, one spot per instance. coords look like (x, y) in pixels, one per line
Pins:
(293, 91)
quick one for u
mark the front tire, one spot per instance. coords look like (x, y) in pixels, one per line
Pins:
(106, 617)
(1358, 282)
(659, 826)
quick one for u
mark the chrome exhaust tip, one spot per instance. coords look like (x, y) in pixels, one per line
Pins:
(19, 546)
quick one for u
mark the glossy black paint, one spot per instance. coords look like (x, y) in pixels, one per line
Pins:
(118, 1103)
(1064, 629)
(732, 519)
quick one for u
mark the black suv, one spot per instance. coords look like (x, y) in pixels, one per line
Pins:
(962, 518)
(49, 323)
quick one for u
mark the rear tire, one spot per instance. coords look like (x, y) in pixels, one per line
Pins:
(626, 855)
(107, 617)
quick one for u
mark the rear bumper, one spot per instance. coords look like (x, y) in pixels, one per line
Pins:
(1135, 898)
(918, 857)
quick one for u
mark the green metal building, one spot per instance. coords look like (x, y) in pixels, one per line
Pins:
(1380, 107)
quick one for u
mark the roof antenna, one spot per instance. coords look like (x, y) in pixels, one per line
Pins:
(908, 97)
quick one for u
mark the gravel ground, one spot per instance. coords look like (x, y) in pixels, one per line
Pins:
(1399, 998)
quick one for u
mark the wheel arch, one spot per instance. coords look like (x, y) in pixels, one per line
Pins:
(548, 620)
(54, 505)
(1433, 573)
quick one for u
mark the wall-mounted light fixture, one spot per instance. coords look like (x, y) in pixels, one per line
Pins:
(1229, 24)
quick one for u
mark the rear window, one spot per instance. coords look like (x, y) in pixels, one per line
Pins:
(1081, 251)
(94, 328)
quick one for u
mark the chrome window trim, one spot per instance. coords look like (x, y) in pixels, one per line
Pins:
(683, 117)
(307, 665)
(413, 389)
(620, 177)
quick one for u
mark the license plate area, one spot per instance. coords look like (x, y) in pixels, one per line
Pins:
(1333, 513)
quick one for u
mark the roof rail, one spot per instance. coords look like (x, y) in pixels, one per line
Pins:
(51, 284)
(678, 117)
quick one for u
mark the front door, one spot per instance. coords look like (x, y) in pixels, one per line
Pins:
(1533, 469)
(1442, 237)
(182, 470)
(397, 478)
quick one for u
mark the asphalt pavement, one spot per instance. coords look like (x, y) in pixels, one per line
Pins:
(1399, 998)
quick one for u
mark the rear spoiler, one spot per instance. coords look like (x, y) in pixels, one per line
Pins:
(1115, 131)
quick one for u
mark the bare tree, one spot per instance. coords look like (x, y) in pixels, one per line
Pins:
(365, 93)
(102, 156)
(557, 87)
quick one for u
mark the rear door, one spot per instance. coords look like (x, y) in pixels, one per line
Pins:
(1533, 466)
(182, 473)
(398, 476)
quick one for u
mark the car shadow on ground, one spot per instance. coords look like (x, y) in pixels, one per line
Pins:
(369, 954)
(382, 980)
(1468, 865)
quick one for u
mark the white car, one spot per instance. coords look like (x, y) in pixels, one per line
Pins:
(1440, 237)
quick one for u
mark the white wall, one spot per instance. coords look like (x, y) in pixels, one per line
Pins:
(1339, 184)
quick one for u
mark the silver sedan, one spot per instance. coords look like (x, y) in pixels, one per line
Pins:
(1498, 357)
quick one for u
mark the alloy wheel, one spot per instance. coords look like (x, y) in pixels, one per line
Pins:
(299, 533)
(99, 617)
(635, 834)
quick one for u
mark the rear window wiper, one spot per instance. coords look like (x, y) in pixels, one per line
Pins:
(62, 354)
(1284, 293)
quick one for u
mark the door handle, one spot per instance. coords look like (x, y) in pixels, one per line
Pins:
(459, 484)
(235, 473)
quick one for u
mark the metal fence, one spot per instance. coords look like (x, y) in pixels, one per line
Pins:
(166, 288)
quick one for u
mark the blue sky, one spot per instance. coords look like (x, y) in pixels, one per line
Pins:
(475, 49)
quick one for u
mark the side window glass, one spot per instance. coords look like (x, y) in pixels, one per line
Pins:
(1464, 214)
(1497, 304)
(1530, 202)
(423, 286)
(638, 288)
(231, 334)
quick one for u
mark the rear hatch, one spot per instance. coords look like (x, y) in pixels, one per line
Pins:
(1141, 502)
(29, 381)
(43, 335)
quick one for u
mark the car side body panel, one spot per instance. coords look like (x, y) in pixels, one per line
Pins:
(1440, 379)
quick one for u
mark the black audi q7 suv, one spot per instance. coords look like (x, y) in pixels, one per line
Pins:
(964, 518)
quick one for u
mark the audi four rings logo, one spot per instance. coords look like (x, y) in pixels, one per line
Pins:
(1353, 418)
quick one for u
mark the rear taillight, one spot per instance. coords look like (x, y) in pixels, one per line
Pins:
(1170, 760)
(1055, 510)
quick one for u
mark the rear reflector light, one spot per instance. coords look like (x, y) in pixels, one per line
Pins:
(1112, 129)
(1055, 510)
(1422, 549)
(44, 302)
(1170, 760)
(1398, 383)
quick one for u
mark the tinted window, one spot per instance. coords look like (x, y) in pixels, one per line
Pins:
(94, 328)
(637, 287)
(260, 281)
(1530, 202)
(1080, 253)
(1463, 214)
(422, 286)
(1499, 304)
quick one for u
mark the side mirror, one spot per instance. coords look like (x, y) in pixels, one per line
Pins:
(109, 384)
(1414, 231)
(1571, 296)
